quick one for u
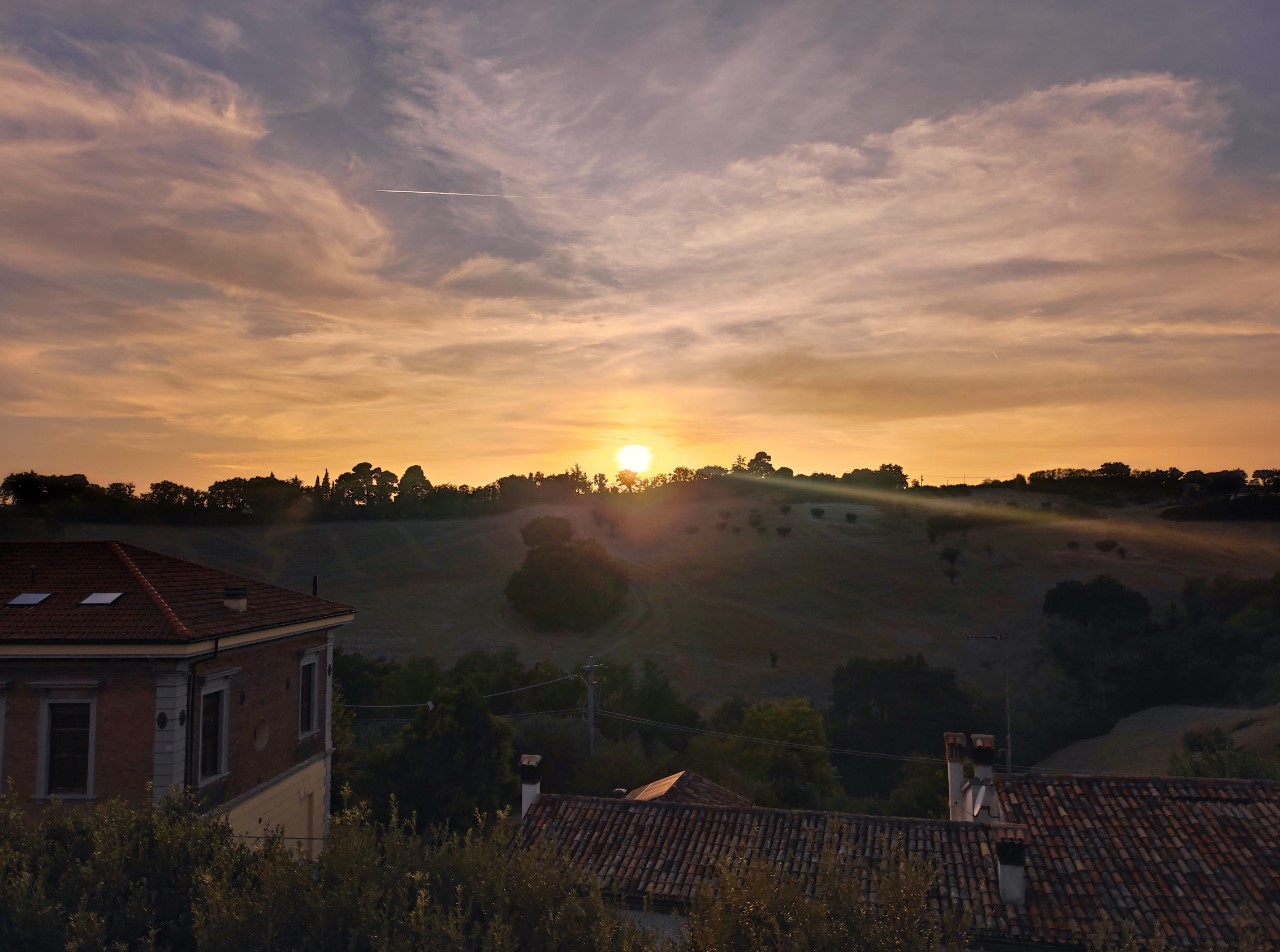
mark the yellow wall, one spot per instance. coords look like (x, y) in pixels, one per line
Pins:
(296, 802)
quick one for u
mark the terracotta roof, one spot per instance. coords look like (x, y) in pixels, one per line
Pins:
(688, 787)
(1193, 854)
(162, 600)
(670, 850)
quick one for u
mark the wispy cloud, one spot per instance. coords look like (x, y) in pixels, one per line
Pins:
(739, 231)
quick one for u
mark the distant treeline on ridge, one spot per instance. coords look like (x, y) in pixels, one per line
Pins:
(368, 491)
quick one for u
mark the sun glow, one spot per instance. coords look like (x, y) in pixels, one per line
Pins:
(635, 458)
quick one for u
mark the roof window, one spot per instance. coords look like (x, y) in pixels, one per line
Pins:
(29, 598)
(101, 598)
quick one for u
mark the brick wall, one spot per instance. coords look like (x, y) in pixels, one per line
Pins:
(126, 701)
(264, 691)
(132, 750)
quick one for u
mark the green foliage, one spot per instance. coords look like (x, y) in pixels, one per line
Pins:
(546, 530)
(892, 705)
(1214, 753)
(772, 774)
(450, 763)
(1102, 601)
(817, 512)
(171, 880)
(574, 585)
(750, 907)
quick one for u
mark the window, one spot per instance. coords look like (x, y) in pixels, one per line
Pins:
(213, 731)
(65, 746)
(70, 730)
(29, 598)
(308, 695)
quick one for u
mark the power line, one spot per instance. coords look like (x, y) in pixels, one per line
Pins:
(527, 687)
(903, 758)
(774, 743)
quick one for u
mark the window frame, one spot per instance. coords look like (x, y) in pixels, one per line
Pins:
(309, 657)
(65, 694)
(213, 685)
(4, 696)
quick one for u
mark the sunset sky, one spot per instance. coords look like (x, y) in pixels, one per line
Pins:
(966, 236)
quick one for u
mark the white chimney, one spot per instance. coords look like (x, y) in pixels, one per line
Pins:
(1011, 860)
(984, 805)
(955, 744)
(984, 755)
(237, 599)
(530, 781)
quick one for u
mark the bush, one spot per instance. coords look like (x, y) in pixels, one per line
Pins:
(1073, 545)
(784, 530)
(851, 517)
(574, 585)
(1105, 545)
(817, 512)
(785, 508)
(546, 530)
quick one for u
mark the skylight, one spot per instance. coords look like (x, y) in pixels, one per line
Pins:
(101, 598)
(29, 598)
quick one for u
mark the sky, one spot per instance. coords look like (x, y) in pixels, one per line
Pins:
(969, 237)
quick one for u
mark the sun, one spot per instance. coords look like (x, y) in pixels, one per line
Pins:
(635, 458)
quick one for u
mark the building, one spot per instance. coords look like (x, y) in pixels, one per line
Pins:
(127, 673)
(1034, 862)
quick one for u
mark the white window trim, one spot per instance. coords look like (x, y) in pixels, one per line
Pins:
(65, 693)
(311, 656)
(218, 682)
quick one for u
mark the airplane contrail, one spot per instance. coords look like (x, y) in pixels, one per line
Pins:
(522, 198)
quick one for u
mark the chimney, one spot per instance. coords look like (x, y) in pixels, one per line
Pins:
(984, 805)
(955, 744)
(530, 781)
(1011, 860)
(237, 599)
(984, 755)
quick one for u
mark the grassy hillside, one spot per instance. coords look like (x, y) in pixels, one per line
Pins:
(1143, 743)
(710, 605)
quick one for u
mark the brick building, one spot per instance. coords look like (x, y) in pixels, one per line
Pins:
(122, 668)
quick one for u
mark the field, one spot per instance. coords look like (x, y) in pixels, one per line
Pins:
(710, 605)
(1144, 742)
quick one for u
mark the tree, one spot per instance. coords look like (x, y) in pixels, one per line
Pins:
(450, 763)
(546, 530)
(894, 706)
(414, 485)
(1100, 601)
(227, 494)
(574, 585)
(776, 775)
(171, 495)
(627, 479)
(761, 465)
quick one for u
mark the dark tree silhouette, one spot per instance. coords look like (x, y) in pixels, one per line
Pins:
(574, 585)
(546, 530)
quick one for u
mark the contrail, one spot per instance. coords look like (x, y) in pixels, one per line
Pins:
(521, 198)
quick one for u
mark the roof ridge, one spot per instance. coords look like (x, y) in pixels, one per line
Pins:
(150, 589)
(755, 808)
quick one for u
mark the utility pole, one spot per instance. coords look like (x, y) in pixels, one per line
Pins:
(590, 668)
(1008, 709)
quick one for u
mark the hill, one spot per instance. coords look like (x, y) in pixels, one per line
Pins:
(711, 604)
